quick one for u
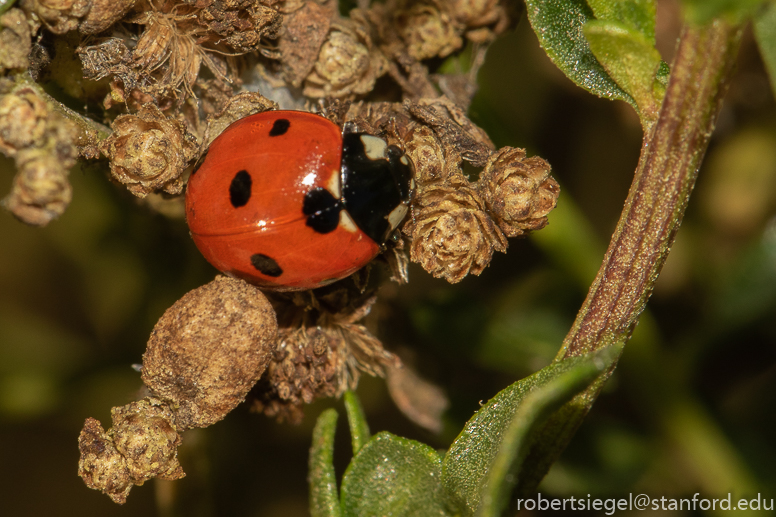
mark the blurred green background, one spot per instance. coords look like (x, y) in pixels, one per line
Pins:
(690, 408)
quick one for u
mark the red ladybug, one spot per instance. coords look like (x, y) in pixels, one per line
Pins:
(286, 200)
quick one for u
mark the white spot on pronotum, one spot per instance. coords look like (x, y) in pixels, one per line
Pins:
(334, 184)
(347, 222)
(374, 147)
(397, 215)
(404, 160)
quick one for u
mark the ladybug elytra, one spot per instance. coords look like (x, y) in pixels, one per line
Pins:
(288, 201)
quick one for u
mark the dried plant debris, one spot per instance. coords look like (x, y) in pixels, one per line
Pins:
(141, 445)
(15, 40)
(209, 349)
(149, 152)
(321, 352)
(42, 143)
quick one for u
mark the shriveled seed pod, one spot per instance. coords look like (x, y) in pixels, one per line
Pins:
(41, 190)
(427, 30)
(347, 63)
(148, 152)
(141, 445)
(518, 191)
(103, 14)
(15, 40)
(209, 349)
(23, 121)
(451, 233)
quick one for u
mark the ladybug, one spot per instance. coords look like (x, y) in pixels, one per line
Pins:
(287, 200)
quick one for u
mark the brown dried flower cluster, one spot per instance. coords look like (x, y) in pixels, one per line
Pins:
(42, 144)
(141, 445)
(148, 151)
(319, 354)
(204, 355)
(15, 40)
(86, 16)
(178, 38)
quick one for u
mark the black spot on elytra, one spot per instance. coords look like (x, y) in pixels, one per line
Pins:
(240, 189)
(322, 210)
(280, 127)
(266, 265)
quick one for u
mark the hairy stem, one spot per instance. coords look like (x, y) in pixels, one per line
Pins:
(670, 157)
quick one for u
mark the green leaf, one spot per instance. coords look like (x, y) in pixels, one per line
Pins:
(631, 60)
(5, 5)
(394, 476)
(324, 501)
(765, 34)
(558, 25)
(638, 15)
(359, 429)
(736, 11)
(483, 463)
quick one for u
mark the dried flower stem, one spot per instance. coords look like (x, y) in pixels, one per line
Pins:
(665, 176)
(90, 131)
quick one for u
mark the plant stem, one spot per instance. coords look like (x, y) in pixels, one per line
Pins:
(670, 157)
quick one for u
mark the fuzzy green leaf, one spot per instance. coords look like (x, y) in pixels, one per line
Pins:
(359, 429)
(394, 476)
(558, 25)
(631, 60)
(638, 15)
(483, 463)
(324, 501)
(5, 5)
(765, 34)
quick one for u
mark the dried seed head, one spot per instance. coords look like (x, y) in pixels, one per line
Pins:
(451, 234)
(425, 151)
(41, 191)
(518, 191)
(144, 433)
(315, 362)
(59, 16)
(103, 14)
(209, 349)
(142, 444)
(15, 40)
(148, 152)
(241, 24)
(427, 30)
(347, 63)
(23, 122)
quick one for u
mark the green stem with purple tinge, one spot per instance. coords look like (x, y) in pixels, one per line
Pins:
(665, 176)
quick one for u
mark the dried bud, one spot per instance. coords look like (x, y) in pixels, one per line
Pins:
(209, 349)
(23, 122)
(427, 30)
(142, 444)
(144, 433)
(40, 191)
(101, 466)
(425, 152)
(15, 40)
(451, 234)
(518, 191)
(148, 152)
(315, 362)
(59, 16)
(103, 14)
(347, 63)
(241, 24)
